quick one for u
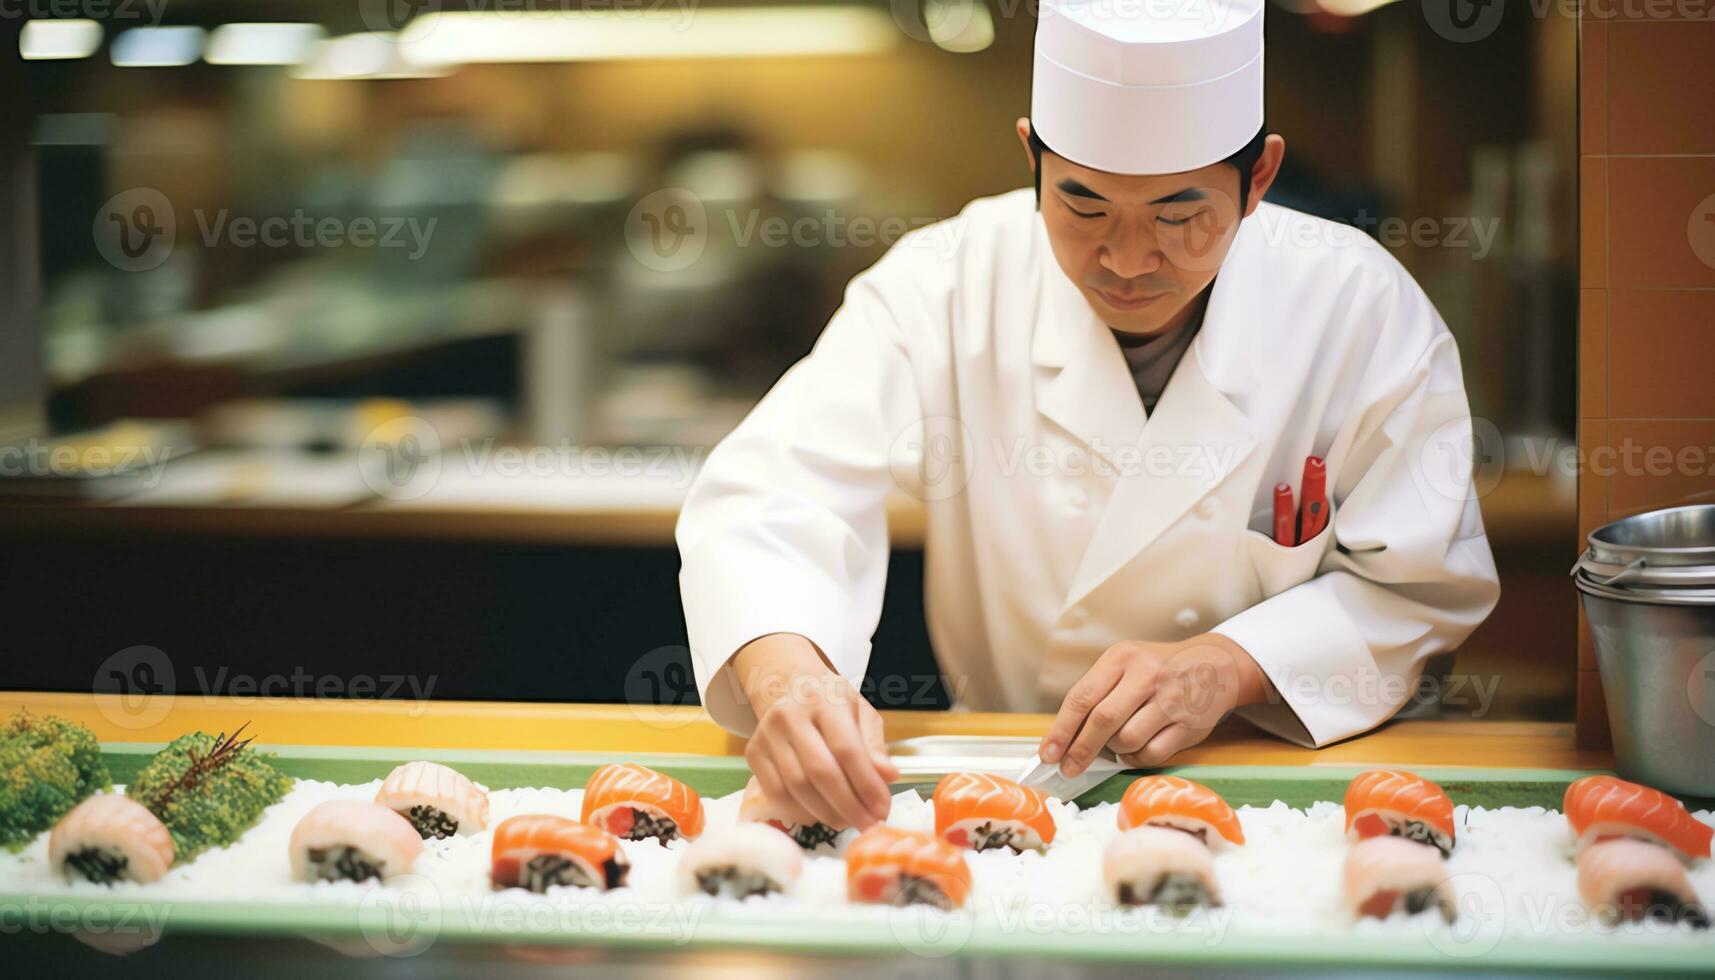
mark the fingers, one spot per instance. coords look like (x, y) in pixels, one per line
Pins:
(1140, 728)
(802, 787)
(852, 783)
(1102, 722)
(773, 787)
(875, 740)
(1080, 701)
(1166, 744)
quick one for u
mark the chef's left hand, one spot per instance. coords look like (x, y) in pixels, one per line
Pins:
(1147, 701)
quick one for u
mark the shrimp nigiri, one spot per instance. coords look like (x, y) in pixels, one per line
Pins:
(755, 806)
(439, 801)
(634, 802)
(352, 840)
(1384, 802)
(980, 811)
(109, 838)
(1623, 880)
(1604, 807)
(1169, 801)
(741, 860)
(889, 866)
(534, 851)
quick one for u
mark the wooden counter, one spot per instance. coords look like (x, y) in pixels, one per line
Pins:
(626, 728)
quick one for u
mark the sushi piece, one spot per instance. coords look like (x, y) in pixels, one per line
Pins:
(1604, 807)
(439, 801)
(1164, 866)
(981, 811)
(1394, 802)
(351, 840)
(1384, 875)
(534, 851)
(1624, 880)
(634, 802)
(109, 838)
(886, 865)
(755, 806)
(1168, 801)
(741, 860)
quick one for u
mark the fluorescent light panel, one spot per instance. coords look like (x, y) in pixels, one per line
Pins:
(58, 40)
(157, 47)
(262, 44)
(463, 37)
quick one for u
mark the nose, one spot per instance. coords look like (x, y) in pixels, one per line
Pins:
(1131, 252)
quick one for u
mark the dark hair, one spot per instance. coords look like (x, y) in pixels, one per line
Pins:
(1245, 160)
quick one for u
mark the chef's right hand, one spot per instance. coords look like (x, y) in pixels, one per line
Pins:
(818, 749)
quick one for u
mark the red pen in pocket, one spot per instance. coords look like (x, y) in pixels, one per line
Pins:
(1285, 516)
(1315, 489)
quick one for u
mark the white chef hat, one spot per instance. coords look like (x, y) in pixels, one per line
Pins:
(1148, 86)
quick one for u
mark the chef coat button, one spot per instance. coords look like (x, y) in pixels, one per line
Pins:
(1078, 616)
(1208, 508)
(1077, 499)
(1187, 618)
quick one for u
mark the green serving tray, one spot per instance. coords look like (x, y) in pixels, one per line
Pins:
(400, 928)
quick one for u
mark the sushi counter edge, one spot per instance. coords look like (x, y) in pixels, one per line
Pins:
(539, 727)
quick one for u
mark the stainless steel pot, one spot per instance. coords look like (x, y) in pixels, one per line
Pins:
(1648, 587)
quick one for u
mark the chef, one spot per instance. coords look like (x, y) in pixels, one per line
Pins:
(1095, 385)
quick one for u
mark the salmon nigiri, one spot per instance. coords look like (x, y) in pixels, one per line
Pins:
(755, 806)
(109, 838)
(536, 850)
(1623, 880)
(1168, 801)
(889, 866)
(1393, 802)
(979, 811)
(1604, 807)
(634, 802)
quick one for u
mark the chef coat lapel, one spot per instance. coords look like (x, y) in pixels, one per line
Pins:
(1196, 437)
(1083, 382)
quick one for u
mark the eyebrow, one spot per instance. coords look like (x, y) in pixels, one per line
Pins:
(1076, 189)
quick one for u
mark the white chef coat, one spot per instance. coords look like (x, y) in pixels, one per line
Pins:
(967, 369)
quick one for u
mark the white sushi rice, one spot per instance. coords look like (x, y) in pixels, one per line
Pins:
(1512, 870)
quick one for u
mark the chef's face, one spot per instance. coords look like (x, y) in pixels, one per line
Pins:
(1142, 249)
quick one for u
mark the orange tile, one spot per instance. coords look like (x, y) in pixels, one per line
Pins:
(1592, 353)
(1592, 85)
(1661, 354)
(1659, 76)
(1653, 463)
(1593, 221)
(1592, 481)
(1592, 729)
(1661, 221)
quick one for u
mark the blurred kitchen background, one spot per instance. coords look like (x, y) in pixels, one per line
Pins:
(466, 256)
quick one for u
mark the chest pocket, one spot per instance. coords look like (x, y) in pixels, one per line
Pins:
(1277, 567)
